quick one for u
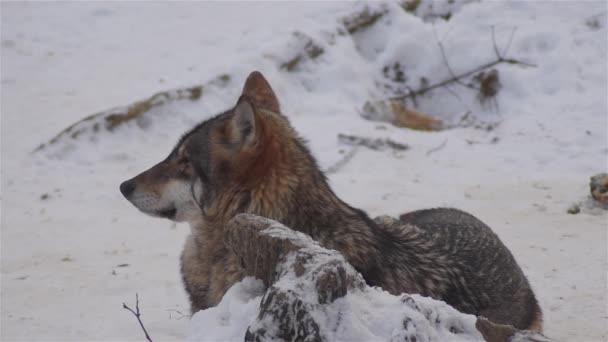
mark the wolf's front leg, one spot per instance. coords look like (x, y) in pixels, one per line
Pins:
(195, 275)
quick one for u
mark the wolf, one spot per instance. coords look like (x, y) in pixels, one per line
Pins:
(249, 159)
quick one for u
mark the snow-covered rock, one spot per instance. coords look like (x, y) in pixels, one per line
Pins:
(315, 295)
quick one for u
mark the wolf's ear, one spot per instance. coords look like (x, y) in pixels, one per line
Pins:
(242, 125)
(259, 91)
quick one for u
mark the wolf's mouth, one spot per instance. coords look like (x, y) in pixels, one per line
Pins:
(165, 213)
(168, 213)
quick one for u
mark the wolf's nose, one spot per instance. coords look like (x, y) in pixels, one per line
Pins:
(127, 188)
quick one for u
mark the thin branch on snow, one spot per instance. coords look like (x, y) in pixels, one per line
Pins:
(435, 149)
(494, 44)
(450, 70)
(456, 78)
(181, 314)
(137, 314)
(447, 64)
(506, 50)
(343, 161)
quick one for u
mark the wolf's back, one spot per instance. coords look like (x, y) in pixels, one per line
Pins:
(495, 285)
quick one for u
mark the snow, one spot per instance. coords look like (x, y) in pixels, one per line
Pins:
(229, 320)
(368, 315)
(61, 278)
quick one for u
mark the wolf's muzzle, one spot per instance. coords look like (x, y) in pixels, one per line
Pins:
(127, 187)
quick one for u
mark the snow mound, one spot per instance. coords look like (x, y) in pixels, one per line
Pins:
(229, 320)
(358, 55)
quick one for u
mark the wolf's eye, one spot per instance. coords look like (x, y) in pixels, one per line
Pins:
(184, 164)
(183, 160)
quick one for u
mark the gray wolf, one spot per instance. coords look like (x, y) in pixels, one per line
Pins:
(249, 159)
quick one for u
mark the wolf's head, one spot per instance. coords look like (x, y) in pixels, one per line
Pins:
(247, 159)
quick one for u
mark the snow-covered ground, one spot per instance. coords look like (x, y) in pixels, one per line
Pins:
(67, 233)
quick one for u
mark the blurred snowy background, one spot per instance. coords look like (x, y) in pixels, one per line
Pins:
(73, 250)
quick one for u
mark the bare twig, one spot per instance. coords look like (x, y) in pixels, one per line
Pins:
(465, 74)
(506, 50)
(137, 315)
(377, 144)
(494, 44)
(343, 161)
(410, 90)
(435, 149)
(181, 314)
(447, 64)
(457, 77)
(455, 94)
(463, 119)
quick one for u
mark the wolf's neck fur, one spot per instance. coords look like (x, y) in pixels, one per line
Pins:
(286, 185)
(294, 191)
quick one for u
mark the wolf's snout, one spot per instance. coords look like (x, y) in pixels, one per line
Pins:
(127, 187)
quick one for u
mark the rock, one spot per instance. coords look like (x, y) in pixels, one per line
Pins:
(315, 295)
(574, 209)
(259, 253)
(271, 252)
(599, 187)
(291, 319)
(493, 332)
